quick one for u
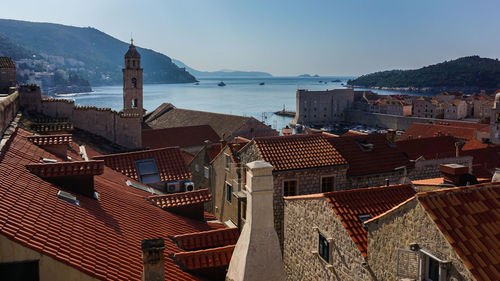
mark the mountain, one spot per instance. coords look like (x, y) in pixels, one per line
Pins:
(86, 51)
(464, 73)
(222, 73)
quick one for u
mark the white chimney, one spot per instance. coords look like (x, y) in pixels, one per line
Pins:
(257, 255)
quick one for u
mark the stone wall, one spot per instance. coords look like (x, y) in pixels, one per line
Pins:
(197, 169)
(49, 268)
(117, 127)
(301, 218)
(383, 120)
(375, 179)
(308, 182)
(428, 169)
(30, 98)
(322, 107)
(409, 223)
(9, 106)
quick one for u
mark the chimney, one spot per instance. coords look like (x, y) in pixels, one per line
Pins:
(287, 131)
(391, 135)
(257, 255)
(75, 176)
(153, 259)
(453, 173)
(457, 149)
(55, 144)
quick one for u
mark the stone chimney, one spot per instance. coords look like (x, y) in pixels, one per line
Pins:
(257, 255)
(453, 173)
(56, 144)
(153, 259)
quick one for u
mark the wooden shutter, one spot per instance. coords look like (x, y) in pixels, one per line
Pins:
(408, 264)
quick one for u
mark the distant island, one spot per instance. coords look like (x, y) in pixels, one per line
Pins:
(69, 59)
(466, 74)
(308, 76)
(222, 73)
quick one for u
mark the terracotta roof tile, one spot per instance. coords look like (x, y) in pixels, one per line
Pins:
(51, 139)
(459, 130)
(484, 160)
(7, 62)
(201, 259)
(474, 144)
(179, 136)
(188, 157)
(169, 161)
(429, 148)
(373, 201)
(100, 238)
(181, 199)
(298, 152)
(207, 239)
(368, 161)
(66, 169)
(469, 218)
(353, 133)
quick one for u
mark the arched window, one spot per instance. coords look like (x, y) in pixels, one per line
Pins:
(133, 63)
(134, 83)
(134, 103)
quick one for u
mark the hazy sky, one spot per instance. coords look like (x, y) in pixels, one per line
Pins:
(287, 37)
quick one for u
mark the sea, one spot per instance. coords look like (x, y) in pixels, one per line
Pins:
(240, 96)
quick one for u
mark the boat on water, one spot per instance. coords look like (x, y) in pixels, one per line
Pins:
(261, 83)
(221, 84)
(197, 83)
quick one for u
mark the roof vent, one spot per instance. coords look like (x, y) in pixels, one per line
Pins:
(144, 188)
(366, 146)
(48, 160)
(68, 197)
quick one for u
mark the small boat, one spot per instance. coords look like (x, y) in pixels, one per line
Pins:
(197, 83)
(320, 81)
(221, 84)
(261, 83)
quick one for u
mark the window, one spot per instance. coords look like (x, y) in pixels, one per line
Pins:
(197, 167)
(229, 192)
(24, 270)
(244, 209)
(327, 184)
(228, 161)
(134, 83)
(134, 103)
(364, 217)
(432, 269)
(420, 264)
(133, 63)
(207, 172)
(147, 171)
(323, 247)
(290, 188)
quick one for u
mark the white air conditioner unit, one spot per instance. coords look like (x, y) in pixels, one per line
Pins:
(173, 187)
(189, 186)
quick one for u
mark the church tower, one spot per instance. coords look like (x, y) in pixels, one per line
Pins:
(495, 121)
(132, 81)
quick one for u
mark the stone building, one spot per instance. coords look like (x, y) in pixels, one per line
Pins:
(495, 121)
(132, 82)
(455, 109)
(7, 74)
(449, 234)
(427, 108)
(322, 107)
(325, 236)
(303, 164)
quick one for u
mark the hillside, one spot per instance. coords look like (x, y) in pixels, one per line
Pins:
(90, 53)
(471, 72)
(222, 73)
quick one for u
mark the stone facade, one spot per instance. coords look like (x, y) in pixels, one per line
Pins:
(200, 177)
(322, 107)
(394, 177)
(408, 223)
(427, 169)
(303, 219)
(495, 121)
(132, 83)
(7, 75)
(9, 107)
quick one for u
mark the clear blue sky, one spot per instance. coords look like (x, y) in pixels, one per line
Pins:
(287, 37)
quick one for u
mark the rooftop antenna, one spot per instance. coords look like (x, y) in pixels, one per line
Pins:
(131, 39)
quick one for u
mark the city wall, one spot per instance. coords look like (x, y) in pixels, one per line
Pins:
(383, 120)
(117, 127)
(9, 105)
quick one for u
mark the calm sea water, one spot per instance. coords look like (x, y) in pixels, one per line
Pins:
(240, 96)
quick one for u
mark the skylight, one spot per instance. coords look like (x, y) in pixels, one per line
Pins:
(68, 197)
(364, 217)
(147, 171)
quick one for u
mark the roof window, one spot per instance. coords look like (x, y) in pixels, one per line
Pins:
(68, 197)
(364, 217)
(147, 171)
(365, 145)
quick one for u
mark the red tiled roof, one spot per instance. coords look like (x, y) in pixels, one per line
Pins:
(459, 130)
(188, 157)
(179, 136)
(213, 150)
(7, 62)
(429, 148)
(51, 139)
(202, 259)
(207, 239)
(484, 160)
(298, 152)
(474, 144)
(181, 199)
(384, 157)
(353, 133)
(169, 161)
(67, 169)
(469, 218)
(101, 238)
(373, 201)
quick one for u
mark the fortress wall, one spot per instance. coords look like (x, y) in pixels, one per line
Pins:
(383, 120)
(9, 106)
(128, 130)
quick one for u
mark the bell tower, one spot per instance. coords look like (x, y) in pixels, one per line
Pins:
(132, 81)
(495, 121)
